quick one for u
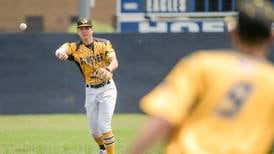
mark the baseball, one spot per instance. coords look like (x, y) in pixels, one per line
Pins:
(23, 26)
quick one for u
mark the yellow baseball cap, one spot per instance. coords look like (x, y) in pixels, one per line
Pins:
(84, 23)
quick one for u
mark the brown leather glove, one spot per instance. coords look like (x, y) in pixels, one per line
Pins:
(103, 74)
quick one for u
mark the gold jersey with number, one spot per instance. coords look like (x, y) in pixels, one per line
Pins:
(90, 57)
(218, 102)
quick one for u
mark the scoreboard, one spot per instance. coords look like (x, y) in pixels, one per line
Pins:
(161, 16)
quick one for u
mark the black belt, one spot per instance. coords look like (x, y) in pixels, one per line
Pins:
(97, 85)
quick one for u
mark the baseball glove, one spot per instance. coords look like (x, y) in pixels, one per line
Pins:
(103, 74)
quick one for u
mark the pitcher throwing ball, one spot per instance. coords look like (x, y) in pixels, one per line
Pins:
(97, 61)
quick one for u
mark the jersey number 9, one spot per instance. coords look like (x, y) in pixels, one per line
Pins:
(234, 100)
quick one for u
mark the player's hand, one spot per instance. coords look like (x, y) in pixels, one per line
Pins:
(60, 54)
(103, 74)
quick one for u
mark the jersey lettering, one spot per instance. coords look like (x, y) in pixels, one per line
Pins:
(90, 60)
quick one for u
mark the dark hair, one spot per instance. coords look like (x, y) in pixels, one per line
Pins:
(255, 21)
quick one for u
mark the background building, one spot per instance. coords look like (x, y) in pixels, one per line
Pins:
(51, 15)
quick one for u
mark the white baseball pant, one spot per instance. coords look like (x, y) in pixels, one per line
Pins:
(100, 105)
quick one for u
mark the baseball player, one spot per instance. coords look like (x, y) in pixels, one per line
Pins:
(97, 61)
(218, 102)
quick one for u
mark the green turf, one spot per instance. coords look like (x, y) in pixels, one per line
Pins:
(61, 134)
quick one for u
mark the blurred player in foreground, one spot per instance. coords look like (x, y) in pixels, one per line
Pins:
(217, 102)
(97, 60)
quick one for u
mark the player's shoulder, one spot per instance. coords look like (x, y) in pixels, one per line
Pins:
(75, 45)
(211, 55)
(72, 43)
(101, 40)
(224, 57)
(267, 65)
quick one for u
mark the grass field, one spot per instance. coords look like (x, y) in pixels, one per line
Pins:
(62, 134)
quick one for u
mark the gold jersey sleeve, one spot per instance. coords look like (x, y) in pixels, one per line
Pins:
(70, 47)
(90, 58)
(110, 50)
(220, 102)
